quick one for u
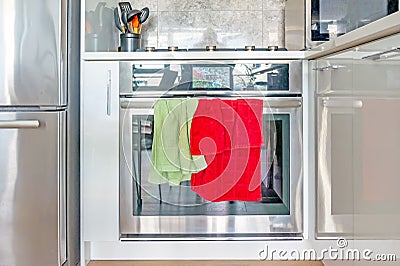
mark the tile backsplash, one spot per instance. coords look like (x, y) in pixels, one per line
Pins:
(225, 23)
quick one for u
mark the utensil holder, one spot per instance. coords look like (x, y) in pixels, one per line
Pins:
(130, 42)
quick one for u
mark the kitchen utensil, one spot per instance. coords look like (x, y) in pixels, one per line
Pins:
(145, 12)
(124, 18)
(132, 13)
(125, 6)
(117, 21)
(144, 15)
(133, 20)
(138, 30)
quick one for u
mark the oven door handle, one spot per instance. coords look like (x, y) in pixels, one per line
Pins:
(283, 104)
(137, 103)
(271, 103)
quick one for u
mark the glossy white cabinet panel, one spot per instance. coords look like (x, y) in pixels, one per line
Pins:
(358, 144)
(100, 151)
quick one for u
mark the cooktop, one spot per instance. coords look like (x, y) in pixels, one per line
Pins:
(209, 49)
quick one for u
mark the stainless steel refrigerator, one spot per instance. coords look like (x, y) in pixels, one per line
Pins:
(39, 132)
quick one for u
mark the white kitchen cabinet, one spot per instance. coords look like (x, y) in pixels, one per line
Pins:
(100, 151)
(358, 144)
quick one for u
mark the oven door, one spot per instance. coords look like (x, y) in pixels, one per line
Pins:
(149, 211)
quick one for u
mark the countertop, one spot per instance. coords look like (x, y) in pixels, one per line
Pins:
(193, 55)
(378, 29)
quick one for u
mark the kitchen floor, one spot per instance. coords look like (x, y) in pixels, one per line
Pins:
(206, 263)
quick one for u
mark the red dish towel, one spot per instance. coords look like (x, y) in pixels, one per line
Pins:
(229, 134)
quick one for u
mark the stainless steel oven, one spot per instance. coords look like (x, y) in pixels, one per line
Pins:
(151, 211)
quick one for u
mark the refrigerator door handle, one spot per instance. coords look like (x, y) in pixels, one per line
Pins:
(15, 124)
(109, 92)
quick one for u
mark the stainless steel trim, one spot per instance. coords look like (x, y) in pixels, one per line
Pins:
(148, 103)
(269, 237)
(342, 103)
(73, 133)
(19, 124)
(63, 53)
(109, 92)
(140, 106)
(159, 94)
(383, 55)
(62, 189)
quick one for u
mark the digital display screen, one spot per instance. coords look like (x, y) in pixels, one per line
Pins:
(211, 77)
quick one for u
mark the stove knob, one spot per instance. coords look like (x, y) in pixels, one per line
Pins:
(150, 49)
(172, 48)
(249, 47)
(211, 48)
(272, 48)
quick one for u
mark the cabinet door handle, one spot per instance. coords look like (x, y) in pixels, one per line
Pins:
(384, 55)
(109, 92)
(356, 104)
(15, 124)
(326, 68)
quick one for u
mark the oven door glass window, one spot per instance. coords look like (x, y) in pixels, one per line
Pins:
(165, 200)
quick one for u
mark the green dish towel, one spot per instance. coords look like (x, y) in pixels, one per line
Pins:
(171, 159)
